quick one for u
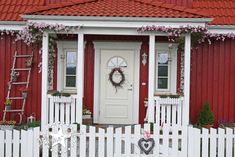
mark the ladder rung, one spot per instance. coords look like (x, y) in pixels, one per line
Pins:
(21, 69)
(24, 56)
(19, 82)
(15, 98)
(13, 110)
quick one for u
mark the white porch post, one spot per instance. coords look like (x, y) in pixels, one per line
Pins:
(187, 65)
(80, 77)
(44, 113)
(151, 78)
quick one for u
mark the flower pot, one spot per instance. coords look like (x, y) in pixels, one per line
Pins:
(86, 116)
(6, 127)
(207, 126)
(8, 107)
(24, 95)
(29, 62)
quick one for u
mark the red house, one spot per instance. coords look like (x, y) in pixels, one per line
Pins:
(115, 58)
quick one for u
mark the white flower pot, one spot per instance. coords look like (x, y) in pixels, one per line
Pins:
(6, 127)
(86, 116)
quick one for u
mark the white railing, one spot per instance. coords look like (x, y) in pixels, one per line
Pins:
(62, 110)
(175, 141)
(168, 111)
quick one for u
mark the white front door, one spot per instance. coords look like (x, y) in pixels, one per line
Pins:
(116, 104)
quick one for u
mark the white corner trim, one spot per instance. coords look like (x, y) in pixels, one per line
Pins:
(98, 46)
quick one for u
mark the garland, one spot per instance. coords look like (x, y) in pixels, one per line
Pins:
(121, 82)
(199, 34)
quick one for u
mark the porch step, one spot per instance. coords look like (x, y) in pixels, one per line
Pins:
(19, 83)
(24, 56)
(21, 69)
(14, 98)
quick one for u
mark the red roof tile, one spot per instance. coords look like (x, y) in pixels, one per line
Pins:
(10, 10)
(223, 11)
(115, 8)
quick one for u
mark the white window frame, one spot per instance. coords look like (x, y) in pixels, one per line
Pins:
(64, 70)
(172, 67)
(63, 47)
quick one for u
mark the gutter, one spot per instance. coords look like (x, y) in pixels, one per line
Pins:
(116, 19)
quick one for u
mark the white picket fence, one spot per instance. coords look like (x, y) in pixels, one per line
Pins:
(19, 143)
(88, 141)
(211, 143)
(62, 110)
(168, 111)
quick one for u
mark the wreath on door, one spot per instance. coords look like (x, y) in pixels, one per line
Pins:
(119, 83)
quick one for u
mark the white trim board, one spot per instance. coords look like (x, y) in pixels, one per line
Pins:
(98, 46)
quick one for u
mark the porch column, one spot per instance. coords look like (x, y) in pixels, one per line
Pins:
(44, 114)
(80, 77)
(151, 79)
(187, 65)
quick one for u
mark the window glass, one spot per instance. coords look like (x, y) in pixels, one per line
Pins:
(163, 71)
(71, 62)
(117, 62)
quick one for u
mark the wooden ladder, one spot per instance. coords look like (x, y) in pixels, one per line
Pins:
(11, 83)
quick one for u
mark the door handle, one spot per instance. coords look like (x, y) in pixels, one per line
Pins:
(131, 88)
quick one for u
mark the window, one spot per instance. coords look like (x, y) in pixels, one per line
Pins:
(116, 62)
(70, 69)
(163, 71)
(166, 69)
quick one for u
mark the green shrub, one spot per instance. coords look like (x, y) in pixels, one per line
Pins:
(206, 116)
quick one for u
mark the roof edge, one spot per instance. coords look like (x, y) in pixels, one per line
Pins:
(98, 18)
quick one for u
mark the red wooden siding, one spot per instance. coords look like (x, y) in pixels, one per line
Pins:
(143, 92)
(89, 75)
(213, 80)
(7, 50)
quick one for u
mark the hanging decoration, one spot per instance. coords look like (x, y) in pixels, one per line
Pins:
(121, 81)
(147, 143)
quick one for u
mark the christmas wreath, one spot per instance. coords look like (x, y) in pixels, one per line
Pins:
(117, 84)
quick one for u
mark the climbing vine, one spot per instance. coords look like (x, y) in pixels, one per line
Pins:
(198, 34)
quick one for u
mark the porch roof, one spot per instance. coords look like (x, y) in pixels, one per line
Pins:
(116, 8)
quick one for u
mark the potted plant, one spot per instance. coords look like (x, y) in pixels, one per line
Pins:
(7, 125)
(24, 92)
(8, 104)
(86, 114)
(29, 62)
(14, 75)
(206, 116)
